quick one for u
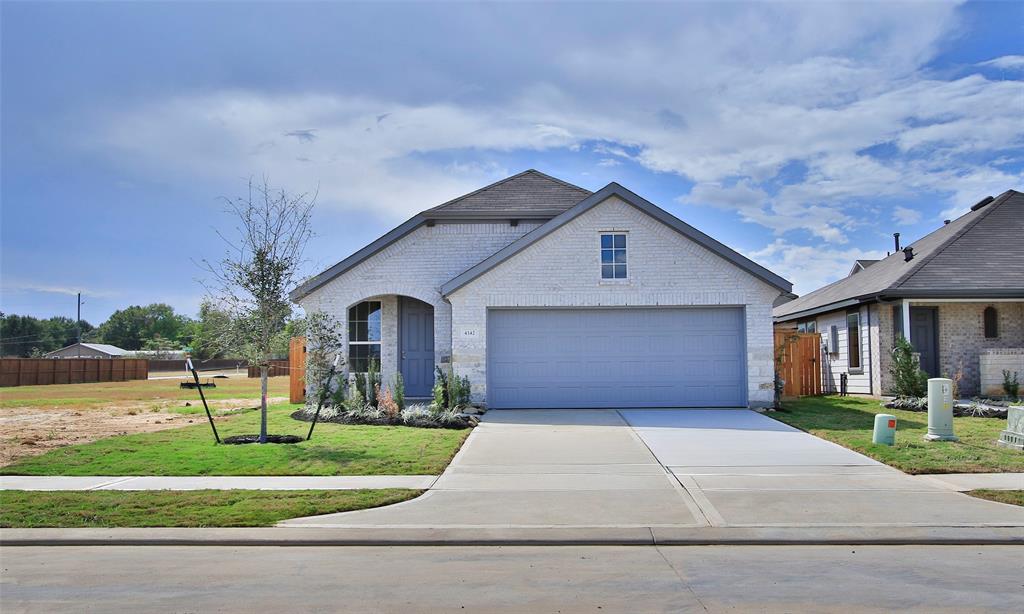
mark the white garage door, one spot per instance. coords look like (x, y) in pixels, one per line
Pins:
(630, 357)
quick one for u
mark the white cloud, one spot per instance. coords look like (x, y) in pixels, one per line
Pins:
(1008, 62)
(20, 286)
(905, 216)
(809, 267)
(718, 98)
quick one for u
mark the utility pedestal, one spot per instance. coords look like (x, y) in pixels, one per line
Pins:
(940, 410)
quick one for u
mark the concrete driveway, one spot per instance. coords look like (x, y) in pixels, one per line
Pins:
(666, 468)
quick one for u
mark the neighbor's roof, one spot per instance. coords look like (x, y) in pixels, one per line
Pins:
(527, 195)
(978, 255)
(860, 265)
(106, 348)
(614, 189)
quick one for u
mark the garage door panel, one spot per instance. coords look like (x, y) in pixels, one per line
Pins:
(636, 357)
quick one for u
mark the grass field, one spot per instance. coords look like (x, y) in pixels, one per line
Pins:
(155, 391)
(1013, 497)
(196, 508)
(335, 449)
(849, 421)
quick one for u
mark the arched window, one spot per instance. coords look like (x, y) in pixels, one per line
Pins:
(363, 335)
(991, 317)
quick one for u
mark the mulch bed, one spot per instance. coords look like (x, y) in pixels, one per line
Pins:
(241, 439)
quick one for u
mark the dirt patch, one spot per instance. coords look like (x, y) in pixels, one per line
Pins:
(29, 431)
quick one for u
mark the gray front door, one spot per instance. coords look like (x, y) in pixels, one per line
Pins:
(416, 346)
(923, 335)
(630, 357)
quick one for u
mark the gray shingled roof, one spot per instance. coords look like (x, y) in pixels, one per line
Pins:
(528, 194)
(980, 254)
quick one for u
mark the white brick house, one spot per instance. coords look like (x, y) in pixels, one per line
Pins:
(547, 295)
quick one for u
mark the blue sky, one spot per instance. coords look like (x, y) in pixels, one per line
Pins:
(802, 135)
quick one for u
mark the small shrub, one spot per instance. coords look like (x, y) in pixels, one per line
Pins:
(360, 384)
(355, 401)
(386, 404)
(908, 378)
(372, 383)
(1011, 385)
(440, 377)
(399, 390)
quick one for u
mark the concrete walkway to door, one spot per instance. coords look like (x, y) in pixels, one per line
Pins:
(666, 468)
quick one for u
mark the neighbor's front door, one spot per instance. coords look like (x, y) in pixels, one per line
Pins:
(416, 346)
(924, 337)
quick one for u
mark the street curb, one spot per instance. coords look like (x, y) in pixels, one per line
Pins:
(553, 536)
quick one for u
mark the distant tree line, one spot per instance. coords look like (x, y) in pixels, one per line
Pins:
(155, 328)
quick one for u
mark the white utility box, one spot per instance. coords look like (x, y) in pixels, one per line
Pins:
(940, 410)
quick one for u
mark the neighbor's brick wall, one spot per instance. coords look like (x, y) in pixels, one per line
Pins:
(415, 266)
(993, 362)
(962, 338)
(563, 269)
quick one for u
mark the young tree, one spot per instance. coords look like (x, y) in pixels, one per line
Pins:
(263, 262)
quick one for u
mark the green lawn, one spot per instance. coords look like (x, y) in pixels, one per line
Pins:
(83, 396)
(849, 421)
(334, 450)
(1013, 497)
(195, 508)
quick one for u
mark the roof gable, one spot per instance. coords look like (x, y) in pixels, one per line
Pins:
(527, 195)
(979, 253)
(614, 189)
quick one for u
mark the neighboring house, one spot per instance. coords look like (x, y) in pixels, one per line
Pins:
(957, 294)
(547, 295)
(89, 350)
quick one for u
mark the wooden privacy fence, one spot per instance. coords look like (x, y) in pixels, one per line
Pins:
(297, 366)
(277, 369)
(44, 371)
(798, 362)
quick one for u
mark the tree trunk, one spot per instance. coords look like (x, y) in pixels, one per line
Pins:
(264, 372)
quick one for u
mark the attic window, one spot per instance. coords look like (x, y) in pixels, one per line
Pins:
(991, 318)
(613, 256)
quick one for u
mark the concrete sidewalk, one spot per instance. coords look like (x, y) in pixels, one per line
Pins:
(29, 482)
(962, 482)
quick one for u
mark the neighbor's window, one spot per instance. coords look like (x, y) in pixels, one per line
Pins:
(991, 323)
(613, 256)
(853, 340)
(363, 335)
(808, 326)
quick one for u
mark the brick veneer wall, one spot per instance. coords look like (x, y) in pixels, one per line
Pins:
(415, 266)
(962, 337)
(563, 269)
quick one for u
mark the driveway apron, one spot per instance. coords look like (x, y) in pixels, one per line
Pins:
(666, 468)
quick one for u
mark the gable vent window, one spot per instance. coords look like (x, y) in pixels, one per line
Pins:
(991, 317)
(613, 256)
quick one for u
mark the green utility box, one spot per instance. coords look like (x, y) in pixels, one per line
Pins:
(885, 429)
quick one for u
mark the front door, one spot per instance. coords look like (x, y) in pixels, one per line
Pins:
(924, 337)
(416, 346)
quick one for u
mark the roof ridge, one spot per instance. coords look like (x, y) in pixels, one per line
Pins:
(529, 171)
(982, 214)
